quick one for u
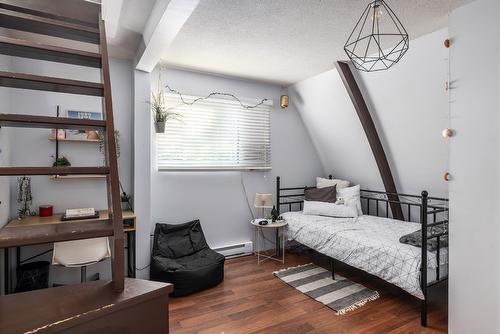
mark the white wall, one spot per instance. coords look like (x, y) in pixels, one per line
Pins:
(31, 147)
(217, 198)
(142, 169)
(408, 105)
(474, 165)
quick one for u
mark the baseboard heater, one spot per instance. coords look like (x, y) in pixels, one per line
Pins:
(230, 251)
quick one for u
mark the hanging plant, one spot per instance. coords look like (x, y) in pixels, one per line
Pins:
(161, 114)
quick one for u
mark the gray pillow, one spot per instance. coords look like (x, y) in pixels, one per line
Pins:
(415, 238)
(327, 194)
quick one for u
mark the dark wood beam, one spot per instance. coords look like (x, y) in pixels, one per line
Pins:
(371, 133)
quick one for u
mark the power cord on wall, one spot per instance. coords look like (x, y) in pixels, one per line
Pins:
(245, 194)
(250, 207)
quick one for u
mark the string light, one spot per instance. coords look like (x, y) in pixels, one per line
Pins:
(214, 94)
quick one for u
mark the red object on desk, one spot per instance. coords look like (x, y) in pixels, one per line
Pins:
(45, 211)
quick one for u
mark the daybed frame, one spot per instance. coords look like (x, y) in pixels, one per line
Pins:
(436, 207)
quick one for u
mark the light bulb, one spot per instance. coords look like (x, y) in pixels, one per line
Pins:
(377, 12)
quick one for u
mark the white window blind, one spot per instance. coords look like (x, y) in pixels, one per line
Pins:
(215, 134)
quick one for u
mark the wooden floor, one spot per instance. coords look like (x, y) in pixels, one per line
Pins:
(252, 300)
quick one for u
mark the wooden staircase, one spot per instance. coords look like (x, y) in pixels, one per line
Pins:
(119, 290)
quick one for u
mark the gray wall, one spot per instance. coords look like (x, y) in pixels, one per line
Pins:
(31, 147)
(217, 198)
(474, 165)
(408, 104)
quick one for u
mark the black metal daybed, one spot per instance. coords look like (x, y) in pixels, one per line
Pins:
(432, 212)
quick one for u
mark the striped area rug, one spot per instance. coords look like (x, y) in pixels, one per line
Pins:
(341, 295)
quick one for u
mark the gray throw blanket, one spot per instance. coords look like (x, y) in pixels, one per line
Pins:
(415, 238)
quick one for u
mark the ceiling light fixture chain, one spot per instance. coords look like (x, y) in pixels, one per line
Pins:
(379, 39)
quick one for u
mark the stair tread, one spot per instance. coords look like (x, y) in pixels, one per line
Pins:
(13, 171)
(48, 26)
(39, 82)
(62, 308)
(32, 121)
(28, 49)
(51, 21)
(46, 15)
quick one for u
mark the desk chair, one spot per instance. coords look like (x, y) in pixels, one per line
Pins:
(81, 253)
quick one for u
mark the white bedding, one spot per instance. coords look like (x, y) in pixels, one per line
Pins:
(369, 243)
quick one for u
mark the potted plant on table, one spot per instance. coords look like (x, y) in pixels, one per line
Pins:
(161, 114)
(61, 162)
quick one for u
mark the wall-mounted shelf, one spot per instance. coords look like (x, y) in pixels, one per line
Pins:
(75, 140)
(81, 176)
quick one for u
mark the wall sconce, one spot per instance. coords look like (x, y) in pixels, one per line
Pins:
(284, 101)
(447, 176)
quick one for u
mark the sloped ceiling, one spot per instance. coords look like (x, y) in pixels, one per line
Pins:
(409, 107)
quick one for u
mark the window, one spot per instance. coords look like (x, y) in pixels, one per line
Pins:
(215, 134)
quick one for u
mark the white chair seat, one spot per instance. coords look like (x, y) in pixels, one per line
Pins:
(78, 253)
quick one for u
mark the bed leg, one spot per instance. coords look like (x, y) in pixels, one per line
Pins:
(423, 313)
(332, 265)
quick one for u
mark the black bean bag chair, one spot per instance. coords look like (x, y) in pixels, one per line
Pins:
(181, 256)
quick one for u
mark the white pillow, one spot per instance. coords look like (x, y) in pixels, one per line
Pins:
(351, 197)
(329, 209)
(323, 183)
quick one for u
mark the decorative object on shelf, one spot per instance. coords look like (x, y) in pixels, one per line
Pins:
(263, 201)
(77, 214)
(284, 101)
(45, 210)
(58, 134)
(61, 162)
(92, 135)
(24, 197)
(81, 134)
(125, 200)
(274, 214)
(379, 39)
(447, 133)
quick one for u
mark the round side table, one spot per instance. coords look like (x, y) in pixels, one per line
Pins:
(280, 227)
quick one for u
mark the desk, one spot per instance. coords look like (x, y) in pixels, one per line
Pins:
(129, 231)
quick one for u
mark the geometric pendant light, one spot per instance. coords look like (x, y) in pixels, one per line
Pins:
(379, 40)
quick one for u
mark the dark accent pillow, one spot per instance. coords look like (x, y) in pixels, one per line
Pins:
(327, 194)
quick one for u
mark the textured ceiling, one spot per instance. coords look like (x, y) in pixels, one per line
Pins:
(284, 41)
